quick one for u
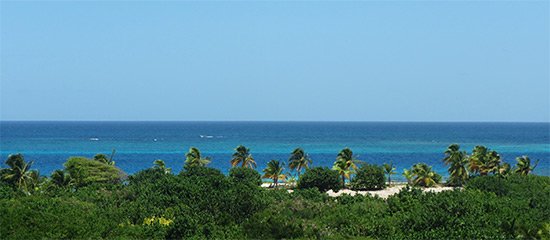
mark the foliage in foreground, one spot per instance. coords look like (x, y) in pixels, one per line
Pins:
(245, 175)
(201, 202)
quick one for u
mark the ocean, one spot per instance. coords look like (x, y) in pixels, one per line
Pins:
(138, 144)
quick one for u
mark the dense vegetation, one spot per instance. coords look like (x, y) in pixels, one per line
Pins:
(369, 177)
(91, 198)
(323, 179)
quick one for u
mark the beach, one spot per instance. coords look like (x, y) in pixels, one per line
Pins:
(382, 193)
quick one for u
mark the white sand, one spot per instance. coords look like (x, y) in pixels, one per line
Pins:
(269, 185)
(384, 193)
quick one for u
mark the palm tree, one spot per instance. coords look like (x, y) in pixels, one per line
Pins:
(424, 176)
(19, 173)
(390, 170)
(274, 170)
(104, 159)
(505, 170)
(193, 158)
(523, 165)
(343, 169)
(484, 161)
(242, 156)
(101, 157)
(476, 160)
(408, 175)
(345, 164)
(458, 161)
(494, 162)
(299, 160)
(159, 164)
(61, 178)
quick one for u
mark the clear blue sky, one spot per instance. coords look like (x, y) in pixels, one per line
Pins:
(321, 61)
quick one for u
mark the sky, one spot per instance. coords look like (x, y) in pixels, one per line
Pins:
(275, 61)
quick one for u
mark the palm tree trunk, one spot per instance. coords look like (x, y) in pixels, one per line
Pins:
(343, 181)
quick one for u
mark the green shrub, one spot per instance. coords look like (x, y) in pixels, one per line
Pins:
(311, 194)
(201, 171)
(39, 217)
(495, 184)
(369, 177)
(201, 202)
(85, 171)
(355, 217)
(147, 175)
(516, 185)
(245, 175)
(321, 178)
(276, 222)
(6, 191)
(449, 215)
(526, 197)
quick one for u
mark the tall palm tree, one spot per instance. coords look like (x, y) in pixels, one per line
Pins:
(242, 156)
(484, 161)
(274, 171)
(494, 162)
(299, 160)
(408, 175)
(457, 161)
(424, 176)
(193, 158)
(343, 169)
(19, 173)
(159, 164)
(345, 164)
(390, 170)
(477, 159)
(505, 170)
(523, 165)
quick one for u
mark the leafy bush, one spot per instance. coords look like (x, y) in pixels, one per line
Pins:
(369, 177)
(6, 191)
(418, 215)
(201, 171)
(311, 194)
(200, 202)
(245, 175)
(495, 184)
(85, 171)
(515, 185)
(321, 178)
(39, 217)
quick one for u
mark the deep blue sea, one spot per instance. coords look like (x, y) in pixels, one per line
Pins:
(138, 144)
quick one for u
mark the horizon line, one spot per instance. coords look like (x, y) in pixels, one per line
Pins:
(280, 121)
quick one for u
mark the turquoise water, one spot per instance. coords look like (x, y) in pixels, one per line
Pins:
(138, 144)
